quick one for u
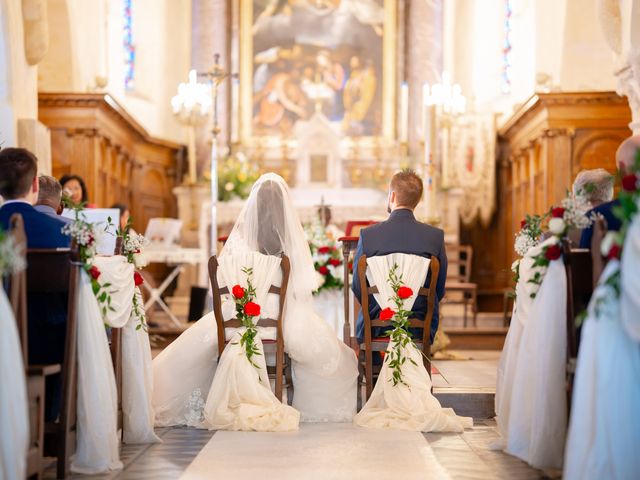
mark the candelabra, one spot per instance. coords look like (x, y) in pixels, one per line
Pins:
(215, 76)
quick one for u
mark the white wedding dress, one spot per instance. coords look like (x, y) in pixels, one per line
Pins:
(409, 406)
(324, 369)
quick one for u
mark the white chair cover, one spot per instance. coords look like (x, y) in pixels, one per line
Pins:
(630, 299)
(240, 397)
(97, 442)
(538, 409)
(605, 426)
(137, 373)
(509, 356)
(14, 439)
(412, 406)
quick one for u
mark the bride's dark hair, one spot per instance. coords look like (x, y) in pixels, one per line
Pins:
(271, 223)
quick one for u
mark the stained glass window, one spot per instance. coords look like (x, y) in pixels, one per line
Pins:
(506, 48)
(129, 48)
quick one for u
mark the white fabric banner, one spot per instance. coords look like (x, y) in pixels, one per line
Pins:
(605, 427)
(410, 406)
(538, 409)
(137, 374)
(14, 418)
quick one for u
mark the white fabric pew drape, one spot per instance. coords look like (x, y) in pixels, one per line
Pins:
(605, 427)
(97, 446)
(538, 407)
(240, 397)
(411, 406)
(14, 437)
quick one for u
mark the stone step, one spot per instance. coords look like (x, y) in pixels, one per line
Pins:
(468, 401)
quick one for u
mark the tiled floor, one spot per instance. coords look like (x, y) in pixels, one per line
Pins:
(464, 456)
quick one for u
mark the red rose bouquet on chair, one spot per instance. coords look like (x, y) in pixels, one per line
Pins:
(246, 311)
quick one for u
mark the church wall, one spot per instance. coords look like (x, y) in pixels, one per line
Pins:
(87, 56)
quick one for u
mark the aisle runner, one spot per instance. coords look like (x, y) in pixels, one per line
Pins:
(317, 451)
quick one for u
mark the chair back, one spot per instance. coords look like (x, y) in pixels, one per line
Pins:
(459, 258)
(218, 291)
(17, 286)
(428, 292)
(355, 226)
(598, 261)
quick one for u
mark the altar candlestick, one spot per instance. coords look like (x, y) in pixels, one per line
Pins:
(404, 112)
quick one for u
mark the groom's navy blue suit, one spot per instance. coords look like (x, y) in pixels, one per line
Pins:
(401, 233)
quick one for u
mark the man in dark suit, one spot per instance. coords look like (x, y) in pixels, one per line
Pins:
(402, 233)
(47, 313)
(19, 189)
(625, 158)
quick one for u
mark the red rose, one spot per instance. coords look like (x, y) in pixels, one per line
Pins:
(138, 279)
(614, 252)
(630, 182)
(553, 252)
(238, 291)
(91, 240)
(557, 212)
(323, 270)
(523, 223)
(387, 314)
(335, 262)
(404, 292)
(350, 266)
(252, 309)
(94, 272)
(324, 250)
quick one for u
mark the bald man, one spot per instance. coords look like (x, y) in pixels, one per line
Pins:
(625, 156)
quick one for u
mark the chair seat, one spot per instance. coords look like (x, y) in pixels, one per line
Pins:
(461, 286)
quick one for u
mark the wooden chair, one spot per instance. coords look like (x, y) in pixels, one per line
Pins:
(578, 270)
(60, 436)
(380, 344)
(282, 368)
(35, 374)
(461, 256)
(349, 245)
(115, 346)
(598, 261)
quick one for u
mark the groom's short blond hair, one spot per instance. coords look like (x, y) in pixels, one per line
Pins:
(408, 188)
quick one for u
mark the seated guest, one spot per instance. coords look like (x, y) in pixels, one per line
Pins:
(77, 189)
(597, 187)
(50, 197)
(19, 188)
(402, 233)
(47, 313)
(625, 156)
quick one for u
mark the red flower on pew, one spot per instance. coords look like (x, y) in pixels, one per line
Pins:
(324, 250)
(335, 262)
(252, 309)
(387, 314)
(351, 266)
(552, 252)
(323, 270)
(614, 252)
(94, 272)
(238, 291)
(523, 223)
(630, 182)
(557, 212)
(138, 279)
(404, 292)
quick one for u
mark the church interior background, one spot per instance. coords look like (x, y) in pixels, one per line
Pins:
(497, 104)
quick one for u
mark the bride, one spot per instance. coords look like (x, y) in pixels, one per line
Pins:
(324, 368)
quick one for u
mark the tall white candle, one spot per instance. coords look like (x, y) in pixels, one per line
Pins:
(404, 112)
(235, 111)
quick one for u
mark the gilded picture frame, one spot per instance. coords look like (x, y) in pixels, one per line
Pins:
(286, 72)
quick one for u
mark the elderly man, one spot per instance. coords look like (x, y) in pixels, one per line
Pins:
(50, 197)
(625, 156)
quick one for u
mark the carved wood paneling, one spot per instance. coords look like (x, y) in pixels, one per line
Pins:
(542, 148)
(92, 136)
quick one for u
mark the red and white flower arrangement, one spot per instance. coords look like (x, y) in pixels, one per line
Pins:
(246, 311)
(327, 258)
(132, 248)
(399, 336)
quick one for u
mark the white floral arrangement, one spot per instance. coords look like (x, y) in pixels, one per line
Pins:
(529, 234)
(85, 235)
(11, 259)
(133, 248)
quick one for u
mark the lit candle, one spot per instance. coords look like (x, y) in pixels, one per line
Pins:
(404, 112)
(235, 112)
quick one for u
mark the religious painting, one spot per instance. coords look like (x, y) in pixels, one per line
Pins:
(331, 57)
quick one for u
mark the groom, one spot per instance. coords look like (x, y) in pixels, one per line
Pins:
(402, 233)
